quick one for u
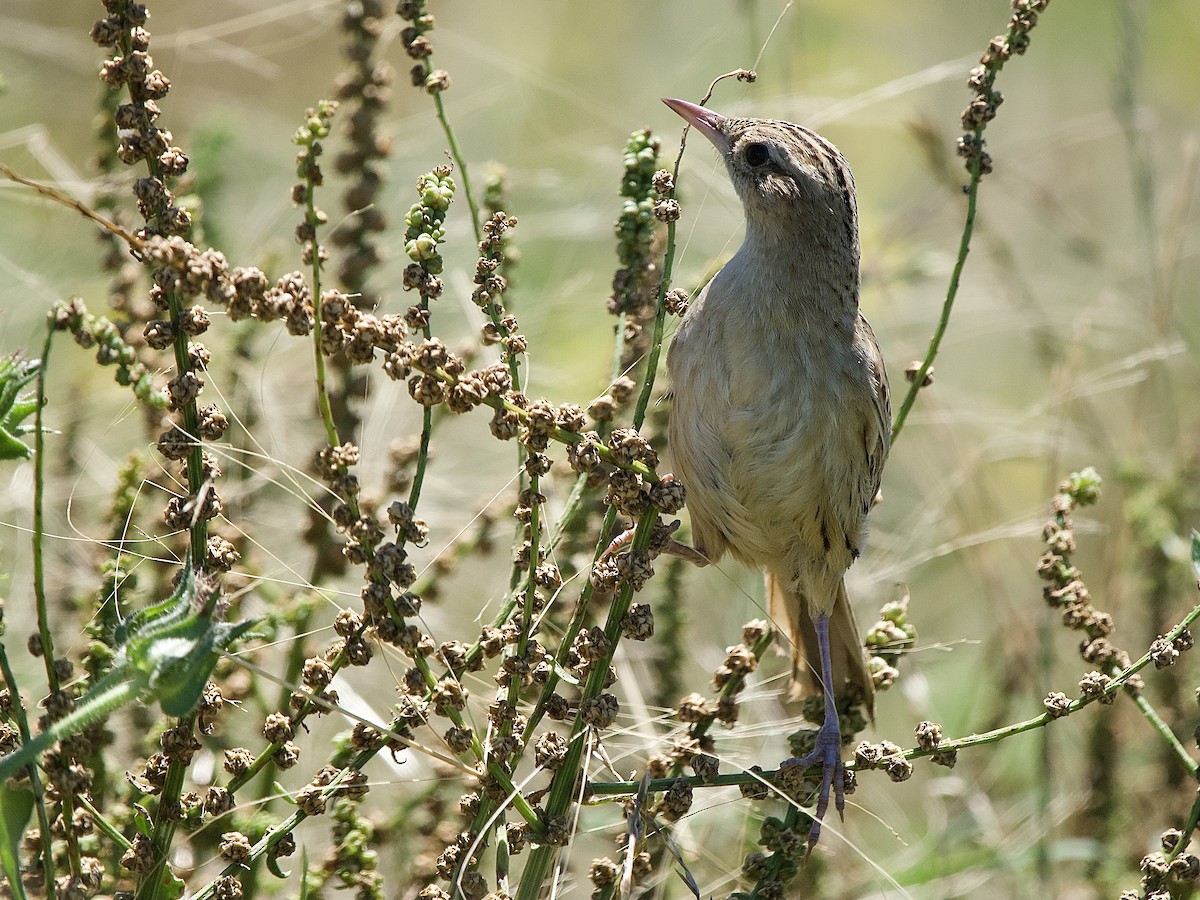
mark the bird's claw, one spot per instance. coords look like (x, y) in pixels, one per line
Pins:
(619, 543)
(828, 754)
(670, 546)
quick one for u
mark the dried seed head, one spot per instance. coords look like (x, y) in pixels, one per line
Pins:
(600, 712)
(1163, 653)
(693, 708)
(1057, 704)
(638, 623)
(929, 735)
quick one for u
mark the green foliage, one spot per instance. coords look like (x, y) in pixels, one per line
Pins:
(16, 808)
(169, 649)
(1196, 554)
(15, 407)
(164, 653)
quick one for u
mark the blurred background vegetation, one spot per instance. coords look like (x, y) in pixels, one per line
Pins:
(1073, 344)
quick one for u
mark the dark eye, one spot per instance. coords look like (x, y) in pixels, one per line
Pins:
(757, 154)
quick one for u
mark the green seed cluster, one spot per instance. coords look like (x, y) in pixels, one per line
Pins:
(635, 282)
(111, 350)
(426, 218)
(635, 226)
(887, 640)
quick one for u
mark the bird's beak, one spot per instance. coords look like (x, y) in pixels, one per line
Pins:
(707, 122)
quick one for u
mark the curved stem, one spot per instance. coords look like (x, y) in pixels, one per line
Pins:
(935, 343)
(461, 164)
(456, 155)
(1164, 731)
(39, 518)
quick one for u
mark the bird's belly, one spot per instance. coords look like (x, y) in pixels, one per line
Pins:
(769, 466)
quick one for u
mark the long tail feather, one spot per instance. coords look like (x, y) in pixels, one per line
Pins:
(790, 610)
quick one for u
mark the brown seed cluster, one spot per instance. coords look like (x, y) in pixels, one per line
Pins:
(695, 746)
(929, 738)
(1065, 590)
(886, 756)
(605, 407)
(140, 138)
(1165, 869)
(180, 272)
(365, 89)
(490, 285)
(983, 106)
(417, 45)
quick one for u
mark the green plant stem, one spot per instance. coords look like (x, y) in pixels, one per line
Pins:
(1164, 731)
(528, 611)
(194, 464)
(418, 481)
(152, 885)
(732, 687)
(414, 493)
(102, 824)
(615, 371)
(607, 526)
(39, 518)
(198, 530)
(265, 792)
(935, 343)
(1193, 820)
(562, 787)
(484, 814)
(975, 168)
(324, 407)
(17, 711)
(1045, 785)
(660, 313)
(459, 162)
(43, 619)
(503, 863)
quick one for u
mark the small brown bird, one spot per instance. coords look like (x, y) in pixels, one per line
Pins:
(781, 418)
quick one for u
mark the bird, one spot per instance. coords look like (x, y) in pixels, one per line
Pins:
(781, 418)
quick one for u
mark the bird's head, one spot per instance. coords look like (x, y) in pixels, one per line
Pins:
(783, 173)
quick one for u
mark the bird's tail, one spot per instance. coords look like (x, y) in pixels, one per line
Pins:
(791, 610)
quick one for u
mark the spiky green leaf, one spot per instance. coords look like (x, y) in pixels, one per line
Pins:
(1196, 554)
(15, 373)
(16, 807)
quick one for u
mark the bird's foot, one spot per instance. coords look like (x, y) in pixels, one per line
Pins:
(827, 753)
(619, 543)
(670, 546)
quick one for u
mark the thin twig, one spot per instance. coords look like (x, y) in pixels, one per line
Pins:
(71, 203)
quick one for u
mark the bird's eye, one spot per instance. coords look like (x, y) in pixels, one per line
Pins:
(757, 154)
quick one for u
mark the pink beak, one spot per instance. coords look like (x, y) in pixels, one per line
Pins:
(707, 122)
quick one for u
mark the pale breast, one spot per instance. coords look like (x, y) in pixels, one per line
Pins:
(771, 434)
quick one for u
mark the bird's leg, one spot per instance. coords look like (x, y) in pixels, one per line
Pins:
(828, 749)
(672, 547)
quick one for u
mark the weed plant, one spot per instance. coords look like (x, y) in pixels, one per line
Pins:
(348, 616)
